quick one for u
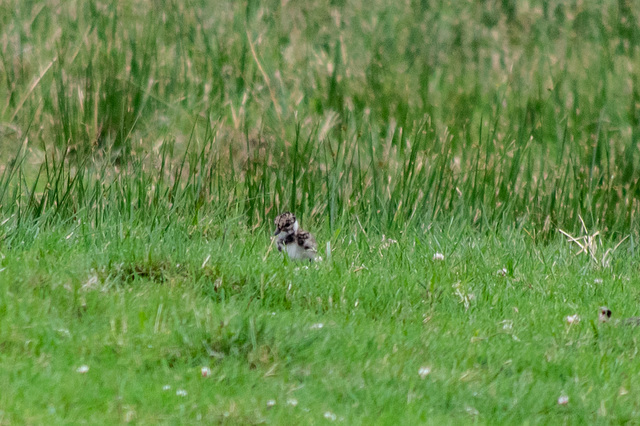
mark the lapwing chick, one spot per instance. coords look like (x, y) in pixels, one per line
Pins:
(299, 244)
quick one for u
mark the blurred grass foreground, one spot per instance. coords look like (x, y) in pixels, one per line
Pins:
(394, 113)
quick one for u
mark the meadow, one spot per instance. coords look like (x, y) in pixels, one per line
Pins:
(469, 168)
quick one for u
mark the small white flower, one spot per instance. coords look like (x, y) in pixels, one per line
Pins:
(181, 392)
(166, 387)
(502, 272)
(330, 416)
(292, 402)
(573, 319)
(507, 324)
(424, 372)
(82, 369)
(205, 371)
(317, 326)
(598, 281)
(271, 403)
(471, 411)
(563, 400)
(438, 256)
(64, 332)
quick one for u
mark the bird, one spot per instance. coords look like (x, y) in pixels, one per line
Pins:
(299, 244)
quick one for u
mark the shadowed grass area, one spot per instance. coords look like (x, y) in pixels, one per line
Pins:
(147, 147)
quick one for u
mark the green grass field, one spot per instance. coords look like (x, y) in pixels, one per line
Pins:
(446, 150)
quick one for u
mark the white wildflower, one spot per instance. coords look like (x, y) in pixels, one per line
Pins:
(271, 403)
(65, 332)
(424, 372)
(317, 326)
(471, 411)
(181, 392)
(563, 400)
(330, 416)
(205, 371)
(438, 256)
(292, 402)
(166, 387)
(82, 369)
(573, 319)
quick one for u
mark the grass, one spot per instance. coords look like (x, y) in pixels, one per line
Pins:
(147, 308)
(146, 150)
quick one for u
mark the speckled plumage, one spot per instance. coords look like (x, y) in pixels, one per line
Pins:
(299, 244)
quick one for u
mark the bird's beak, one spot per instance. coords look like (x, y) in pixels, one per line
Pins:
(277, 232)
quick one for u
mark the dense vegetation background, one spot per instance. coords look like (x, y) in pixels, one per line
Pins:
(400, 113)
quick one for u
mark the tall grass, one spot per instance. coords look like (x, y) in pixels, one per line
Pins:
(389, 115)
